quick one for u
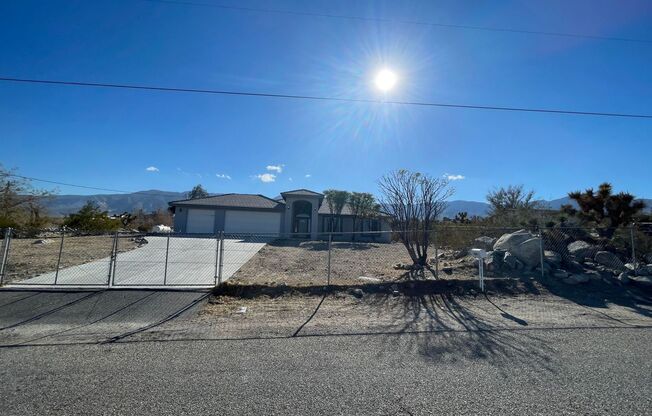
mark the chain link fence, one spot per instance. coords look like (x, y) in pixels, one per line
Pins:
(124, 259)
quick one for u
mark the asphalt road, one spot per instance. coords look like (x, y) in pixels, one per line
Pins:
(572, 371)
(150, 352)
(63, 317)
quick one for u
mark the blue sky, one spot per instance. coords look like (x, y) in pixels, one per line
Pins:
(108, 138)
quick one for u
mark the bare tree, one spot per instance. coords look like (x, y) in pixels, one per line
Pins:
(414, 201)
(21, 205)
(512, 198)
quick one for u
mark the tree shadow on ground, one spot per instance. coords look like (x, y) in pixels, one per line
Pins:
(602, 293)
(447, 330)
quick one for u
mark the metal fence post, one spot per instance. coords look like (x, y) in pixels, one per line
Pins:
(5, 255)
(167, 252)
(217, 257)
(328, 276)
(541, 253)
(434, 241)
(631, 234)
(221, 257)
(113, 260)
(56, 273)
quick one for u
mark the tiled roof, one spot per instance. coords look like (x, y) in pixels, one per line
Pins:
(302, 192)
(232, 200)
(323, 209)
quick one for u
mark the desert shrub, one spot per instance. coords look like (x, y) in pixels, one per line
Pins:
(91, 218)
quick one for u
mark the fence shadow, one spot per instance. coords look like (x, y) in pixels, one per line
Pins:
(600, 294)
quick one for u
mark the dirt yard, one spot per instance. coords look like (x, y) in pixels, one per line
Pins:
(305, 263)
(29, 257)
(422, 306)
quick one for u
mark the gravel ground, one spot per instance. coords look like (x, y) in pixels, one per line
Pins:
(305, 263)
(27, 259)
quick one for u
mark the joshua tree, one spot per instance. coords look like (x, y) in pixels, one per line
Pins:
(603, 208)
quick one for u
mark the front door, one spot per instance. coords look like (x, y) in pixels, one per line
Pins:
(301, 226)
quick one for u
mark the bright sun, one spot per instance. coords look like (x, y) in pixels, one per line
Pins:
(385, 80)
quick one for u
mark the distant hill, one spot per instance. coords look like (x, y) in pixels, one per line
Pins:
(60, 205)
(472, 208)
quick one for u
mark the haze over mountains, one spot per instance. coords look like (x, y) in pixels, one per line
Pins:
(60, 205)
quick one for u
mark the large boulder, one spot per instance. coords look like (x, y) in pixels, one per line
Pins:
(512, 262)
(609, 260)
(494, 260)
(529, 252)
(523, 245)
(508, 241)
(484, 242)
(553, 258)
(581, 250)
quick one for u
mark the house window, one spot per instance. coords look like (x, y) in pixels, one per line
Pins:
(332, 225)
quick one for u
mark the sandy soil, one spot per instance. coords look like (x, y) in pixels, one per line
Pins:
(305, 263)
(519, 304)
(27, 259)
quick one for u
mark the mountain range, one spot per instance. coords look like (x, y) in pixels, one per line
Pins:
(60, 205)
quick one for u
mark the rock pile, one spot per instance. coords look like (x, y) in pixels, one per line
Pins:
(578, 262)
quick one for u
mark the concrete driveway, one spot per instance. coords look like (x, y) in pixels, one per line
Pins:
(61, 317)
(190, 262)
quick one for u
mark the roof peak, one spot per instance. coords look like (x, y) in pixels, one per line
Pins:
(301, 191)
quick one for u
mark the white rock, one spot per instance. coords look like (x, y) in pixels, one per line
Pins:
(161, 229)
(508, 241)
(484, 242)
(581, 249)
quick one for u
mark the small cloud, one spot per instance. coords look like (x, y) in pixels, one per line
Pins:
(452, 177)
(275, 168)
(290, 179)
(152, 169)
(308, 175)
(266, 177)
(223, 176)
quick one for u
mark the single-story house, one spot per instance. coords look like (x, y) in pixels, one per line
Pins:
(296, 214)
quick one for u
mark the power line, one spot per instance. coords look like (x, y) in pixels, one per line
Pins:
(29, 178)
(323, 98)
(400, 21)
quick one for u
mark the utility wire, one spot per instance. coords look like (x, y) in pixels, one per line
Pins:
(81, 186)
(400, 21)
(323, 98)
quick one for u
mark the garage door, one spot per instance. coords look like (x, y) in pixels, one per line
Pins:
(201, 221)
(252, 222)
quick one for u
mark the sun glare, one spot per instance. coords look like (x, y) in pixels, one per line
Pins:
(385, 80)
